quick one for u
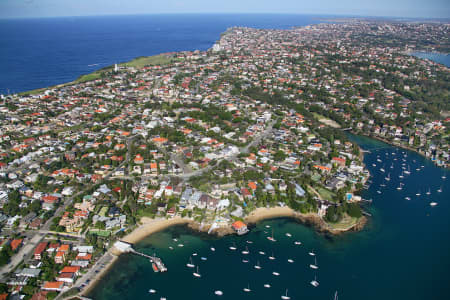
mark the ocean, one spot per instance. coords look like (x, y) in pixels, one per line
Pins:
(37, 53)
(441, 58)
(402, 253)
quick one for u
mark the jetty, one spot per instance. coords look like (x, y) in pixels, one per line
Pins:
(157, 263)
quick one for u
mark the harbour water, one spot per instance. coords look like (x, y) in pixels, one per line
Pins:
(441, 58)
(403, 252)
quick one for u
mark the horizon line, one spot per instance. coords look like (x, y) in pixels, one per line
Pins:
(446, 19)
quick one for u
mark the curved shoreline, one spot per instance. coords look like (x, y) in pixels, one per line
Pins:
(150, 226)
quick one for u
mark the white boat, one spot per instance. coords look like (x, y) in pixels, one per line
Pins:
(297, 243)
(272, 257)
(175, 240)
(190, 264)
(379, 160)
(152, 291)
(170, 247)
(203, 258)
(382, 170)
(218, 293)
(290, 260)
(392, 166)
(417, 169)
(249, 242)
(407, 198)
(245, 260)
(270, 238)
(383, 185)
(267, 226)
(267, 286)
(258, 266)
(400, 186)
(288, 234)
(401, 175)
(314, 266)
(180, 245)
(285, 296)
(418, 193)
(247, 289)
(379, 192)
(374, 165)
(439, 190)
(388, 178)
(311, 253)
(194, 254)
(262, 252)
(433, 203)
(335, 296)
(233, 247)
(163, 298)
(197, 274)
(428, 192)
(443, 177)
(276, 273)
(407, 172)
(314, 282)
(213, 249)
(245, 251)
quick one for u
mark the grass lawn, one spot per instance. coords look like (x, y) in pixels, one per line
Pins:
(104, 233)
(326, 194)
(345, 223)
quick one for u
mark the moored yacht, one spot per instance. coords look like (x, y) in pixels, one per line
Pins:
(267, 286)
(314, 282)
(190, 264)
(285, 296)
(433, 203)
(314, 266)
(247, 289)
(218, 293)
(197, 274)
(270, 238)
(258, 266)
(245, 251)
(233, 247)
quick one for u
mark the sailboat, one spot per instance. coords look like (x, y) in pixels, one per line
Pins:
(443, 177)
(270, 238)
(258, 266)
(285, 296)
(388, 178)
(407, 172)
(245, 251)
(408, 198)
(197, 274)
(314, 266)
(401, 175)
(297, 243)
(314, 282)
(290, 260)
(433, 203)
(213, 249)
(245, 260)
(190, 264)
(439, 190)
(233, 247)
(288, 234)
(247, 289)
(382, 169)
(400, 187)
(392, 166)
(428, 192)
(272, 257)
(262, 252)
(276, 273)
(418, 193)
(152, 291)
(267, 286)
(312, 253)
(335, 296)
(218, 293)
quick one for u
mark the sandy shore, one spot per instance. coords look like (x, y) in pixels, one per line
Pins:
(149, 226)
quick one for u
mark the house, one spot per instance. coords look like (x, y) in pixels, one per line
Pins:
(53, 286)
(240, 227)
(60, 257)
(28, 272)
(71, 269)
(66, 277)
(15, 244)
(39, 249)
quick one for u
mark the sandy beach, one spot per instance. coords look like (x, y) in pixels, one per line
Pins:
(149, 226)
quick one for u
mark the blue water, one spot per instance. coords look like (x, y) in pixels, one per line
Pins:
(36, 53)
(441, 58)
(403, 253)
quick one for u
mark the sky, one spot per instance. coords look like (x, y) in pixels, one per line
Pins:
(390, 8)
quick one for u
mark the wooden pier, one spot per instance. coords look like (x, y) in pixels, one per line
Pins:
(153, 259)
